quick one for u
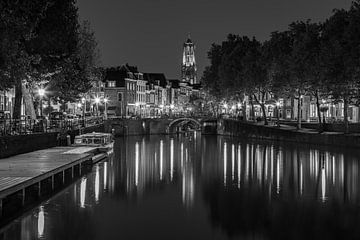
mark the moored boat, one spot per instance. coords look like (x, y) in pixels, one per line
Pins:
(103, 142)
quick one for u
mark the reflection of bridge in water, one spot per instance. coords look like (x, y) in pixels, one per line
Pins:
(184, 124)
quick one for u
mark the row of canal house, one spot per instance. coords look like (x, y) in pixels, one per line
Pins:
(288, 109)
(133, 93)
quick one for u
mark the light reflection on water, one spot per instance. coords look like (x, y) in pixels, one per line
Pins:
(204, 187)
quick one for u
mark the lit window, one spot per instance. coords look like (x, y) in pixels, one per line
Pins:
(111, 83)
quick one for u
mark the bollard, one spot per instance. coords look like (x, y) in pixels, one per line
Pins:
(68, 140)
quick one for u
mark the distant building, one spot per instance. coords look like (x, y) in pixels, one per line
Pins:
(188, 67)
(121, 85)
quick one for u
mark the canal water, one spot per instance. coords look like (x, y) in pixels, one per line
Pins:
(205, 187)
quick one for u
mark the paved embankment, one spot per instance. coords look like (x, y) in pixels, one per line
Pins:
(17, 144)
(24, 176)
(286, 133)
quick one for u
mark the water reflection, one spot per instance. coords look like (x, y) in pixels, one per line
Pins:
(229, 188)
(82, 192)
(41, 222)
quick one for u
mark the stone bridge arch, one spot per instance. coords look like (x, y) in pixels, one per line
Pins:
(182, 121)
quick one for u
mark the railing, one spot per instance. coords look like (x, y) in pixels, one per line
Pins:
(30, 126)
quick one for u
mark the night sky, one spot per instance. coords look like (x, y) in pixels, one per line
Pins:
(150, 33)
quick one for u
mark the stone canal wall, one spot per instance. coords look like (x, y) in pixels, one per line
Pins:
(235, 128)
(13, 145)
(127, 127)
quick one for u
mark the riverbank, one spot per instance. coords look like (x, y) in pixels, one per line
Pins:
(285, 133)
(27, 178)
(18, 144)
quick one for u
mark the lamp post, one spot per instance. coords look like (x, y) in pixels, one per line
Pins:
(225, 106)
(97, 100)
(41, 94)
(83, 100)
(238, 110)
(105, 102)
(171, 109)
(277, 113)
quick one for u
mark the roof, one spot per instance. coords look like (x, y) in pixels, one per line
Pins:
(118, 74)
(197, 86)
(154, 77)
(174, 83)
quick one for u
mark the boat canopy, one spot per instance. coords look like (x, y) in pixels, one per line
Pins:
(93, 139)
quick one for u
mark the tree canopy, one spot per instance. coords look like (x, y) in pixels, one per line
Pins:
(317, 59)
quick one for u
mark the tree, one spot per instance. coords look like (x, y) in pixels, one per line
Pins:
(42, 41)
(210, 78)
(256, 79)
(18, 21)
(340, 48)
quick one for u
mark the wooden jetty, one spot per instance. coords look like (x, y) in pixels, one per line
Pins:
(26, 174)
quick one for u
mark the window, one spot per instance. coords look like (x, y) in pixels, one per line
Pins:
(111, 84)
(119, 97)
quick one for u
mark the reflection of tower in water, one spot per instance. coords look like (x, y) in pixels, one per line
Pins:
(188, 181)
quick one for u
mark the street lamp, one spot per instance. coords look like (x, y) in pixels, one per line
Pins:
(41, 94)
(171, 109)
(277, 113)
(83, 100)
(97, 100)
(106, 101)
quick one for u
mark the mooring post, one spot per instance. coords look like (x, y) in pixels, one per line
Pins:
(1, 207)
(52, 182)
(39, 189)
(63, 176)
(23, 197)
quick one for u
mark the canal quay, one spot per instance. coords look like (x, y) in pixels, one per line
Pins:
(194, 186)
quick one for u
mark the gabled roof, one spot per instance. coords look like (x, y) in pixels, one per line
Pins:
(118, 74)
(174, 83)
(153, 78)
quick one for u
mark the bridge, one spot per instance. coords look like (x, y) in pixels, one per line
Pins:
(181, 124)
(145, 126)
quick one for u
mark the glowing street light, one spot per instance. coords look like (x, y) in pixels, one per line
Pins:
(172, 106)
(97, 101)
(277, 113)
(41, 92)
(83, 100)
(106, 100)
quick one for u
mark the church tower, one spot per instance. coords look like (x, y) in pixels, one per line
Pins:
(188, 68)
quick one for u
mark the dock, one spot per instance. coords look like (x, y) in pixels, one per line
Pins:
(25, 175)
